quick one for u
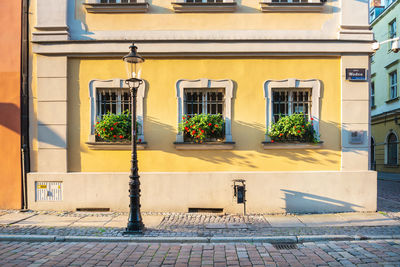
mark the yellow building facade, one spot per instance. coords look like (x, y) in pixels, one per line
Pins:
(247, 50)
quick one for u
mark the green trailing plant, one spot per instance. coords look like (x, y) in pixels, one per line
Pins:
(295, 127)
(115, 127)
(202, 127)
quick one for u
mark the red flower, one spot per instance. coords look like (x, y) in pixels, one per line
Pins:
(216, 125)
(98, 134)
(298, 131)
(186, 128)
(104, 129)
(186, 121)
(97, 122)
(116, 123)
(121, 137)
(294, 127)
(183, 117)
(272, 141)
(112, 128)
(193, 132)
(115, 136)
(302, 126)
(210, 124)
(312, 119)
(202, 131)
(140, 140)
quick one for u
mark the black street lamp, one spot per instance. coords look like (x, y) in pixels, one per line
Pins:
(133, 67)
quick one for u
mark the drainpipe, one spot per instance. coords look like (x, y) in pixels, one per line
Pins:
(24, 91)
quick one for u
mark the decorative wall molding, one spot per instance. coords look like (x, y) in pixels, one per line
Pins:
(204, 84)
(115, 83)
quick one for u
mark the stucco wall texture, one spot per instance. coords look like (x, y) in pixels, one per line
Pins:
(10, 50)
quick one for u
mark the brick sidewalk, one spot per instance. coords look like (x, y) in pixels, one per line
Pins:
(341, 253)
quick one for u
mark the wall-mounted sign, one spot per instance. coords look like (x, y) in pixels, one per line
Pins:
(356, 74)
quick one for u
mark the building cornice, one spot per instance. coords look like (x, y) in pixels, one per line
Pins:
(196, 48)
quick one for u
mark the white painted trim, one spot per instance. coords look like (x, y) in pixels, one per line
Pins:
(386, 147)
(115, 83)
(205, 84)
(313, 84)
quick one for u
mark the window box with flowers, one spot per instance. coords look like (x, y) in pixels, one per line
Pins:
(202, 132)
(294, 131)
(113, 131)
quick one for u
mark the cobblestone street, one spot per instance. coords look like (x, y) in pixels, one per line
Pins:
(356, 253)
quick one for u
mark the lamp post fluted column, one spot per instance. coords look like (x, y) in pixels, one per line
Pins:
(135, 223)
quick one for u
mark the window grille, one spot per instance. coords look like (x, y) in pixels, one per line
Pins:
(208, 101)
(393, 84)
(289, 101)
(392, 149)
(113, 101)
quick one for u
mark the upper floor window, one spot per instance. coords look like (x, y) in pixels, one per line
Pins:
(292, 5)
(372, 94)
(117, 1)
(197, 6)
(392, 32)
(393, 85)
(116, 6)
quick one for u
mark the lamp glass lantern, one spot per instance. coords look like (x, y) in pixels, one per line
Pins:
(133, 64)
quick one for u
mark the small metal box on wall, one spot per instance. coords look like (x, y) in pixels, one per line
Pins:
(48, 191)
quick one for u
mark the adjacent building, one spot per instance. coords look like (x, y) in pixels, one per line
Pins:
(10, 105)
(385, 105)
(249, 61)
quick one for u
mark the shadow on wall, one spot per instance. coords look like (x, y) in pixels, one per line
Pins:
(305, 202)
(8, 113)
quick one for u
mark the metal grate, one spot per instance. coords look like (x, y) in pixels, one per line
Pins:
(205, 210)
(48, 191)
(285, 246)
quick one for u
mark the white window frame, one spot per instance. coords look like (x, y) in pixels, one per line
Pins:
(205, 84)
(393, 85)
(292, 83)
(386, 147)
(94, 85)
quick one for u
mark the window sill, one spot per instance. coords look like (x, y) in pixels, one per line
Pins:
(392, 100)
(205, 146)
(291, 7)
(278, 145)
(204, 7)
(116, 8)
(114, 145)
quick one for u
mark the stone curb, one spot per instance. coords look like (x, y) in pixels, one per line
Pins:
(140, 239)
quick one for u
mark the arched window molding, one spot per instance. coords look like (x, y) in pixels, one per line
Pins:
(313, 84)
(387, 147)
(205, 84)
(94, 85)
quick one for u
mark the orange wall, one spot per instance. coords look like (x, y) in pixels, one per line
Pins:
(10, 49)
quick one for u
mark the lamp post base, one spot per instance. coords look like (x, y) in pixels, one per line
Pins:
(132, 232)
